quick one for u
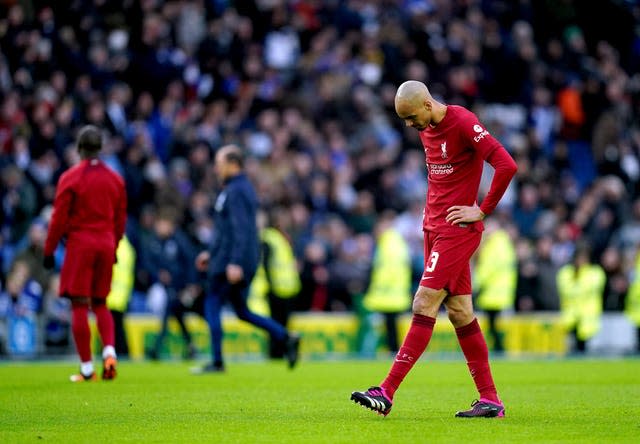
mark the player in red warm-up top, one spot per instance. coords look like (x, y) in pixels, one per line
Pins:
(456, 145)
(89, 211)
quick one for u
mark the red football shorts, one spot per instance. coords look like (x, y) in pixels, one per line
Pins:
(446, 261)
(86, 271)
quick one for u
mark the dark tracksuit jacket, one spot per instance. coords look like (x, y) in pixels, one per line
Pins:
(236, 234)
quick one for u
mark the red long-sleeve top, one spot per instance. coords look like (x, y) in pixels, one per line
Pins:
(89, 207)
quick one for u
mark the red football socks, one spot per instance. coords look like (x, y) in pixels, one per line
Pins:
(105, 324)
(414, 344)
(476, 352)
(81, 332)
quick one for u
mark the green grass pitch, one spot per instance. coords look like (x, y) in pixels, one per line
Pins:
(263, 402)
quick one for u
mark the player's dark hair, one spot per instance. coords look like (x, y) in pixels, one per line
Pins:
(90, 140)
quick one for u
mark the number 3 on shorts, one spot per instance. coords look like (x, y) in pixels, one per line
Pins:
(433, 260)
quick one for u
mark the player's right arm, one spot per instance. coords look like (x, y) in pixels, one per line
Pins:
(505, 168)
(121, 213)
(60, 214)
(492, 151)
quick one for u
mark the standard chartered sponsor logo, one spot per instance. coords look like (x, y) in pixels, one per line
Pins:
(439, 169)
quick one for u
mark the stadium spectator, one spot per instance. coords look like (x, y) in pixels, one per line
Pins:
(167, 255)
(33, 253)
(23, 297)
(456, 146)
(546, 295)
(616, 284)
(90, 214)
(57, 319)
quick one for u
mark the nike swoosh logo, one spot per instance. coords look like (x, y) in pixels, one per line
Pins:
(402, 360)
(427, 277)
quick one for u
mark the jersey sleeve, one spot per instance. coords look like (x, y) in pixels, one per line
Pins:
(492, 151)
(121, 213)
(505, 168)
(60, 214)
(475, 135)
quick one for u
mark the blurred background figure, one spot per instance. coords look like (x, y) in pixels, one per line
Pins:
(121, 288)
(32, 253)
(19, 207)
(580, 286)
(546, 298)
(632, 308)
(57, 320)
(20, 304)
(389, 292)
(277, 281)
(495, 277)
(167, 257)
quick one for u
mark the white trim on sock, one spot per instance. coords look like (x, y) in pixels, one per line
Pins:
(86, 368)
(107, 351)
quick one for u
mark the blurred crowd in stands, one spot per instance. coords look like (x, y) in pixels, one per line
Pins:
(307, 87)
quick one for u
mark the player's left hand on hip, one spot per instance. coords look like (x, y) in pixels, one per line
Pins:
(460, 214)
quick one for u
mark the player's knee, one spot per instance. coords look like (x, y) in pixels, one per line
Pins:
(459, 316)
(427, 301)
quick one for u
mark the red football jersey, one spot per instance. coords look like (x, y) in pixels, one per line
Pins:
(89, 207)
(455, 151)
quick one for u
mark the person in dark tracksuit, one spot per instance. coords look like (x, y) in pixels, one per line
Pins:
(233, 258)
(167, 255)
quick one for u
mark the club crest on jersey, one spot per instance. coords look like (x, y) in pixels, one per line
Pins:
(482, 133)
(443, 147)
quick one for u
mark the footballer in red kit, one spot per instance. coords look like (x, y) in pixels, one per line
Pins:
(455, 152)
(456, 146)
(89, 212)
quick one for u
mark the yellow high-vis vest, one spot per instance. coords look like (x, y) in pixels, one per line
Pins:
(390, 285)
(496, 273)
(283, 271)
(632, 304)
(581, 298)
(123, 276)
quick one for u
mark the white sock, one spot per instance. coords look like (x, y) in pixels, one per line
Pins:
(86, 368)
(107, 351)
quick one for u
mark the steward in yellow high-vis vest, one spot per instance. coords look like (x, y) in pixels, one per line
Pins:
(276, 283)
(580, 287)
(632, 303)
(496, 272)
(389, 290)
(495, 277)
(121, 288)
(277, 272)
(123, 276)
